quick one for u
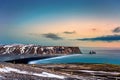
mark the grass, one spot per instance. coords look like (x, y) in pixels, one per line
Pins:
(105, 67)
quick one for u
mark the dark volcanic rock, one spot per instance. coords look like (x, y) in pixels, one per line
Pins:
(2, 49)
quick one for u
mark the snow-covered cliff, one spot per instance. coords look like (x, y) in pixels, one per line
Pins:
(37, 49)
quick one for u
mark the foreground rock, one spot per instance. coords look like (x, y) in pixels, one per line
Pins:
(10, 71)
(37, 49)
(23, 72)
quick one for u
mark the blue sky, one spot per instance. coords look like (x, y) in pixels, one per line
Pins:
(39, 21)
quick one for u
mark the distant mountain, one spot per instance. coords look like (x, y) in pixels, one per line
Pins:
(37, 49)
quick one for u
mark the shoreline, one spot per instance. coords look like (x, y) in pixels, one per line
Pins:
(4, 58)
(78, 71)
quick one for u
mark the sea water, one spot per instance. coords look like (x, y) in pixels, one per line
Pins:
(103, 55)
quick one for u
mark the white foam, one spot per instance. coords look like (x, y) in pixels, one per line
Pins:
(54, 58)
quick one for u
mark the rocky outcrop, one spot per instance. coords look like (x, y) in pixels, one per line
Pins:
(37, 49)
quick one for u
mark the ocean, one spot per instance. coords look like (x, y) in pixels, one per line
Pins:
(103, 55)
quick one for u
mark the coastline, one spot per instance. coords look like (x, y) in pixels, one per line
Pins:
(25, 56)
(15, 66)
(77, 71)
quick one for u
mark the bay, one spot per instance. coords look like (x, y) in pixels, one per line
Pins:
(103, 55)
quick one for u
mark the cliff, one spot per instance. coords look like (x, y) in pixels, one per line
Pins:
(37, 49)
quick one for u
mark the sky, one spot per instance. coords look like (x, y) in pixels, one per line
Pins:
(85, 23)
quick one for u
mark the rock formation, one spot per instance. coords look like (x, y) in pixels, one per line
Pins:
(37, 49)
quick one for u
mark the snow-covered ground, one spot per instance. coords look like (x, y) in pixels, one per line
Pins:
(43, 74)
(10, 70)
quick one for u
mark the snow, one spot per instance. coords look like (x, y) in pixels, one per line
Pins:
(43, 74)
(50, 48)
(1, 77)
(30, 45)
(6, 46)
(35, 51)
(50, 75)
(102, 72)
(87, 71)
(3, 70)
(53, 75)
(8, 70)
(9, 48)
(41, 49)
(22, 49)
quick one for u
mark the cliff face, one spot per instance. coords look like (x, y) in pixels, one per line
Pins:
(37, 49)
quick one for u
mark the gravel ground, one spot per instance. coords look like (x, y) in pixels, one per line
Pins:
(68, 71)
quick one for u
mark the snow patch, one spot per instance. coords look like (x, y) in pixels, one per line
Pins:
(102, 72)
(53, 75)
(8, 70)
(43, 74)
(35, 51)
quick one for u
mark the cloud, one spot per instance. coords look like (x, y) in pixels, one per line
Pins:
(52, 36)
(34, 34)
(116, 30)
(107, 38)
(68, 32)
(94, 29)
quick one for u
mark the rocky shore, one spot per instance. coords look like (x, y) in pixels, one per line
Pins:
(10, 71)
